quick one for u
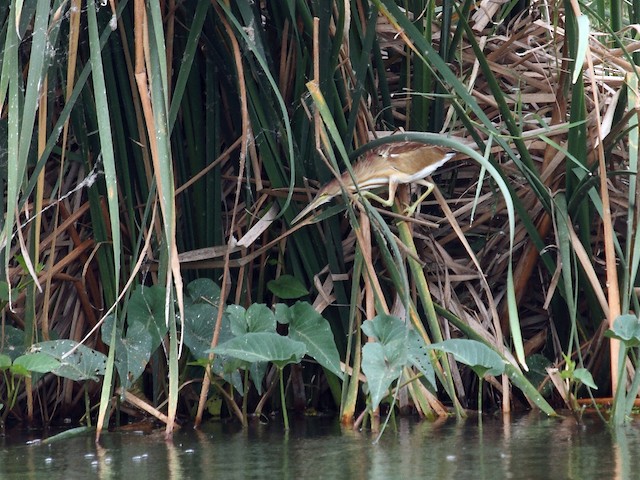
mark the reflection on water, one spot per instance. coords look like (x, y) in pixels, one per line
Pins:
(527, 447)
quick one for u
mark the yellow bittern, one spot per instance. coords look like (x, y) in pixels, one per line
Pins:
(390, 164)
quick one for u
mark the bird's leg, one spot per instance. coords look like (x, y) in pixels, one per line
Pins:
(389, 201)
(411, 209)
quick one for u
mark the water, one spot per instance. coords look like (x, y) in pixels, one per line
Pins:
(527, 447)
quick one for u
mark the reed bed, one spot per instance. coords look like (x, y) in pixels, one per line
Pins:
(158, 145)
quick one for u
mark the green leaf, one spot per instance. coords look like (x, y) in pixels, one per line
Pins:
(5, 361)
(476, 355)
(83, 364)
(12, 342)
(287, 287)
(19, 370)
(382, 361)
(309, 327)
(626, 328)
(146, 316)
(537, 373)
(131, 356)
(200, 317)
(260, 318)
(67, 434)
(257, 318)
(146, 327)
(263, 347)
(282, 313)
(382, 366)
(237, 321)
(4, 291)
(37, 362)
(204, 290)
(418, 356)
(199, 322)
(386, 329)
(584, 376)
(102, 107)
(257, 371)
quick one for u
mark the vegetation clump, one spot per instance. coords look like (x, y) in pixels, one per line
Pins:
(156, 154)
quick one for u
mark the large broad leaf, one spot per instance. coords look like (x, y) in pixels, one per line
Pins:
(306, 325)
(418, 356)
(204, 290)
(146, 327)
(263, 347)
(199, 323)
(260, 318)
(37, 362)
(386, 329)
(257, 318)
(287, 287)
(200, 320)
(83, 364)
(200, 316)
(12, 342)
(383, 361)
(237, 320)
(146, 317)
(382, 366)
(476, 355)
(626, 328)
(131, 355)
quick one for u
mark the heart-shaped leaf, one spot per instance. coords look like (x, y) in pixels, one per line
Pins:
(306, 325)
(382, 366)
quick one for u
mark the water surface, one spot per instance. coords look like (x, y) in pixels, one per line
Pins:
(526, 447)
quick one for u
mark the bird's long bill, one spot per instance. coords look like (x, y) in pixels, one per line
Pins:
(315, 203)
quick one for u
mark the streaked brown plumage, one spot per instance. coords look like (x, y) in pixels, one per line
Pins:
(390, 164)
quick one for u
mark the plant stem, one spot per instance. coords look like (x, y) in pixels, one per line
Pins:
(244, 397)
(282, 401)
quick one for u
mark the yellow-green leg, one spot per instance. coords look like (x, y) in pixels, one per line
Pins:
(389, 201)
(411, 209)
(392, 194)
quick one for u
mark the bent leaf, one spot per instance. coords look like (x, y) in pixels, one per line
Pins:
(584, 375)
(263, 347)
(481, 359)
